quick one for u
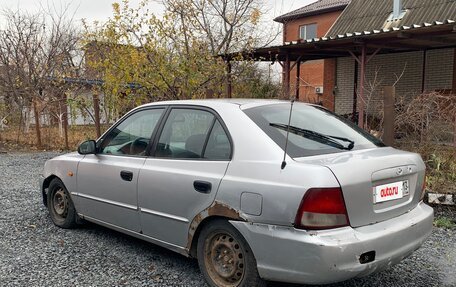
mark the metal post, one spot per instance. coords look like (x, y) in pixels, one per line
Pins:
(286, 78)
(423, 74)
(397, 8)
(361, 87)
(355, 91)
(359, 98)
(298, 78)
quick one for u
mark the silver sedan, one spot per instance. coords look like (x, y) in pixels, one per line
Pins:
(256, 190)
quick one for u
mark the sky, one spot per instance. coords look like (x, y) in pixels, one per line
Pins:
(100, 10)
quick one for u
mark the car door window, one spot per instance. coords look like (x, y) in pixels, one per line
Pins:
(218, 146)
(184, 134)
(132, 135)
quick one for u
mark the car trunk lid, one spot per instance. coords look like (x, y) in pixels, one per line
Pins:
(377, 184)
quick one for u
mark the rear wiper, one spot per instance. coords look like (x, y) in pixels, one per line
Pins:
(315, 136)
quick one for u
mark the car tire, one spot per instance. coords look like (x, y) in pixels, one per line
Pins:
(225, 258)
(60, 205)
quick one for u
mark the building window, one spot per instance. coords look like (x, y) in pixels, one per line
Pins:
(307, 32)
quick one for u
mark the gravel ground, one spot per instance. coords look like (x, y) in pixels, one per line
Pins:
(33, 252)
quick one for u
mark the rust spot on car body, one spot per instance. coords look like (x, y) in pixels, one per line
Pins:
(220, 209)
(216, 209)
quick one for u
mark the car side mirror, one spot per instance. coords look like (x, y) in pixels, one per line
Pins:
(88, 147)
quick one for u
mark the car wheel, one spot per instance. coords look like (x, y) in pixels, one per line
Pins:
(225, 258)
(60, 205)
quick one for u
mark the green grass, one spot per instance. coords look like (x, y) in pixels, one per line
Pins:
(444, 222)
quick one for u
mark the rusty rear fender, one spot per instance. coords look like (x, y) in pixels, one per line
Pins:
(216, 210)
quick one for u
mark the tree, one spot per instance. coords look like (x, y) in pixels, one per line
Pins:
(34, 50)
(142, 57)
(227, 25)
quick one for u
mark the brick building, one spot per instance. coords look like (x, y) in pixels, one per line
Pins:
(419, 61)
(316, 78)
(425, 70)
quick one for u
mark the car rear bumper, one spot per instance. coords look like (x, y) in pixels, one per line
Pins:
(319, 257)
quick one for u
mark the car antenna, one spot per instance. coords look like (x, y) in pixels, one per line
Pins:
(284, 163)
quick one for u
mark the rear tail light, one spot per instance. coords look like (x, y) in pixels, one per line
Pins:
(322, 208)
(423, 188)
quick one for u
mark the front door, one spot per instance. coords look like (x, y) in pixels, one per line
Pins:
(182, 177)
(107, 181)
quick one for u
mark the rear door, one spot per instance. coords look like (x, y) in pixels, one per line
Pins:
(182, 177)
(107, 181)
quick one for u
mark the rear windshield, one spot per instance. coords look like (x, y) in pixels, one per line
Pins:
(313, 129)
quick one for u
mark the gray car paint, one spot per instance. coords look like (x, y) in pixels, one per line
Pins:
(320, 257)
(167, 199)
(255, 168)
(359, 171)
(64, 167)
(104, 195)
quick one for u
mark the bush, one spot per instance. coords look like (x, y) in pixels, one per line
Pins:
(427, 118)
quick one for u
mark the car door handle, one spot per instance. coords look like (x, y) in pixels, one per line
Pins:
(126, 175)
(202, 186)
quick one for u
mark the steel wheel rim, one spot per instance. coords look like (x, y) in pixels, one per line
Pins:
(60, 202)
(224, 259)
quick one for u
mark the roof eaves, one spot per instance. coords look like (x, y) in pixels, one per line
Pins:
(288, 16)
(381, 31)
(274, 51)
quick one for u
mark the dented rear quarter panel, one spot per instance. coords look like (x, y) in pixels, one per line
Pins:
(281, 191)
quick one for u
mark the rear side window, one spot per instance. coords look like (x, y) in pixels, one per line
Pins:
(193, 134)
(314, 130)
(218, 146)
(184, 134)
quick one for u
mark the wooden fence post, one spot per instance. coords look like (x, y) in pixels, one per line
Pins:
(96, 111)
(65, 120)
(389, 95)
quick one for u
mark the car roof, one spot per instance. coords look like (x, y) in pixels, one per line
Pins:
(242, 103)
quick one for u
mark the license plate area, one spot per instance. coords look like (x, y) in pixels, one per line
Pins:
(391, 191)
